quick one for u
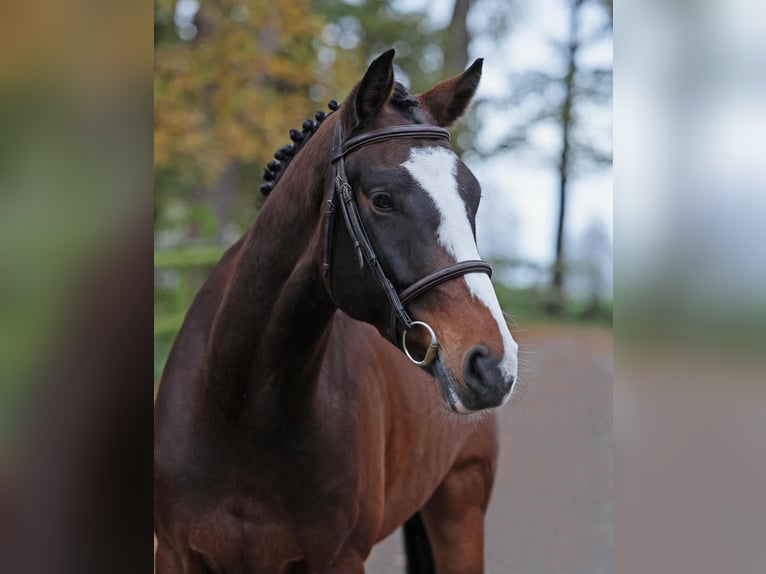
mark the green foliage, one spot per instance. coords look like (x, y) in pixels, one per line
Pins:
(525, 306)
(190, 257)
(228, 94)
(230, 81)
(179, 274)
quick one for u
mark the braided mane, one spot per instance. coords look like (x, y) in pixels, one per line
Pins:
(400, 98)
(282, 157)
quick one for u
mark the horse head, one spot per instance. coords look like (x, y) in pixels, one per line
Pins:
(417, 202)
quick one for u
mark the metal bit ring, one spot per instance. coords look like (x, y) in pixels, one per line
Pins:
(433, 347)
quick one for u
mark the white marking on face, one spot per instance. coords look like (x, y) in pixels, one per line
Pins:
(435, 169)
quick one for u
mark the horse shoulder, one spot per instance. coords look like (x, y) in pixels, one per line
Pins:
(177, 404)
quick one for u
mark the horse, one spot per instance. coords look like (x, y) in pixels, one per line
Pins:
(338, 374)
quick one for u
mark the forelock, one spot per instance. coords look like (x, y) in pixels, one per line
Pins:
(402, 99)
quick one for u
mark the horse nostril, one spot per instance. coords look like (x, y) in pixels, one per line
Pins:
(478, 367)
(488, 386)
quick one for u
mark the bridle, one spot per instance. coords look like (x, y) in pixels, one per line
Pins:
(343, 195)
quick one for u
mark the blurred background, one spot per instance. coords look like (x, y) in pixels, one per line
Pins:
(232, 77)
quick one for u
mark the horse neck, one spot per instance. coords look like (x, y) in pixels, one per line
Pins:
(269, 334)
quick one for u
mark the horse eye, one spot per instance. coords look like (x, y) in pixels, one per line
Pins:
(382, 202)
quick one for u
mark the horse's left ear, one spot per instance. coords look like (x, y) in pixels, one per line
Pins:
(447, 100)
(375, 88)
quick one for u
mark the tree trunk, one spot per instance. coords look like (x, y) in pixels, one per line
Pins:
(458, 38)
(223, 197)
(456, 54)
(564, 165)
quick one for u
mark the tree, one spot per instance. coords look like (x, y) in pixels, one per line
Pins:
(229, 77)
(560, 98)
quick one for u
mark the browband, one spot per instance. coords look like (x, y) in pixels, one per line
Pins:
(385, 134)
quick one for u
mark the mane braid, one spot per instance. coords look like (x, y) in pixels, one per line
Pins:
(276, 167)
(400, 99)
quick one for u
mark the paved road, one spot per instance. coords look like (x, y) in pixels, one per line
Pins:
(551, 508)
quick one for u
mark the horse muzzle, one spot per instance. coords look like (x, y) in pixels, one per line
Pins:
(484, 385)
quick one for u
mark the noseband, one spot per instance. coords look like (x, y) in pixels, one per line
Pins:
(343, 196)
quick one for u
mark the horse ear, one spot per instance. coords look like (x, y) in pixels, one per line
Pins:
(448, 100)
(375, 88)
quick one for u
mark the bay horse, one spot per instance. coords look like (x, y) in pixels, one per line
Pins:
(322, 389)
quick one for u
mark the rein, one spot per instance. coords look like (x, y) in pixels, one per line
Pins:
(343, 196)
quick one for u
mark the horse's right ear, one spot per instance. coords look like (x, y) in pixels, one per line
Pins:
(375, 88)
(448, 100)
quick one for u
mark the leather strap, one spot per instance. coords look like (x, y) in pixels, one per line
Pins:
(441, 276)
(417, 131)
(355, 226)
(328, 229)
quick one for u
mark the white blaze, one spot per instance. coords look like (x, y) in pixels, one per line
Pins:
(435, 169)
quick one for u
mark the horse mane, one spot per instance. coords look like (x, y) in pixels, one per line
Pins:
(400, 98)
(282, 157)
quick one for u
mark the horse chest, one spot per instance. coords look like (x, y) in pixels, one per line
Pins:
(301, 500)
(269, 536)
(280, 506)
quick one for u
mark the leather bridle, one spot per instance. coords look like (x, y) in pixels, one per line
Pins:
(343, 195)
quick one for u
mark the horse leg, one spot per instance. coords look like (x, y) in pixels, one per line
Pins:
(454, 517)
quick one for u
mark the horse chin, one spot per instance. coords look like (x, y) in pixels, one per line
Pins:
(449, 387)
